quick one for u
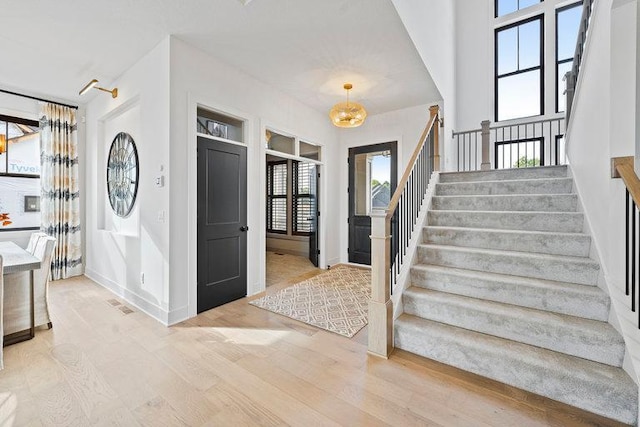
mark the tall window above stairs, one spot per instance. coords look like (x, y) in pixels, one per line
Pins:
(529, 34)
(519, 69)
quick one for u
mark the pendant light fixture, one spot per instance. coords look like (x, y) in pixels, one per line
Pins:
(347, 114)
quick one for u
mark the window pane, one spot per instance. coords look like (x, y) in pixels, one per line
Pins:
(508, 50)
(304, 209)
(309, 151)
(509, 6)
(526, 3)
(529, 44)
(14, 191)
(279, 180)
(567, 26)
(562, 70)
(278, 210)
(281, 143)
(23, 150)
(380, 177)
(519, 95)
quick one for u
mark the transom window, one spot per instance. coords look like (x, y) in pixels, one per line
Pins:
(505, 7)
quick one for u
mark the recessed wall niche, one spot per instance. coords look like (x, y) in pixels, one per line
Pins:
(125, 118)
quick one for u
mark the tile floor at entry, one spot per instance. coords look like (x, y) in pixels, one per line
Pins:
(284, 268)
(236, 365)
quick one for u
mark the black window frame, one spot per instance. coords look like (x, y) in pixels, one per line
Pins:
(538, 17)
(557, 140)
(6, 174)
(271, 197)
(295, 196)
(558, 62)
(495, 8)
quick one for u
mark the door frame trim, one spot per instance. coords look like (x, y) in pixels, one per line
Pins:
(193, 103)
(367, 139)
(365, 149)
(262, 243)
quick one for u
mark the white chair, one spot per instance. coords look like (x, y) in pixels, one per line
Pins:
(33, 240)
(17, 308)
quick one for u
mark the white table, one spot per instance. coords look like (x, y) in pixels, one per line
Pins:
(15, 260)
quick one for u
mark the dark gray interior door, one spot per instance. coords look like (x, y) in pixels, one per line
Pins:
(368, 189)
(222, 223)
(314, 248)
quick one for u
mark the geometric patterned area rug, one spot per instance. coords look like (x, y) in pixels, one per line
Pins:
(336, 300)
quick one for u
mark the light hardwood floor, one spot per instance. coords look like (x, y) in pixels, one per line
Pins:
(237, 365)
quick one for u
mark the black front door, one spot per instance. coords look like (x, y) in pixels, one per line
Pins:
(222, 223)
(372, 181)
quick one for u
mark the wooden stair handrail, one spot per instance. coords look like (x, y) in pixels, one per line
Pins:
(395, 199)
(623, 167)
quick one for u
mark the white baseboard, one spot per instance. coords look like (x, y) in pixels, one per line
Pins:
(153, 310)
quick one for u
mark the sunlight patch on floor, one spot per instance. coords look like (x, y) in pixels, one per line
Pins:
(250, 336)
(8, 408)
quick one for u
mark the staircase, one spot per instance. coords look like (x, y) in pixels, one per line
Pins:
(504, 288)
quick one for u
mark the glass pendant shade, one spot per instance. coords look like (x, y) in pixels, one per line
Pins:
(347, 114)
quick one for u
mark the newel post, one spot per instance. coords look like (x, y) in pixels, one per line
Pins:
(380, 305)
(486, 161)
(433, 111)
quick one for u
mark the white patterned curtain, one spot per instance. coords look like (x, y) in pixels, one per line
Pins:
(60, 196)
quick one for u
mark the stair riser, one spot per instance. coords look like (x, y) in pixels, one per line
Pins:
(597, 394)
(542, 203)
(554, 244)
(505, 174)
(555, 186)
(566, 222)
(568, 300)
(549, 333)
(512, 263)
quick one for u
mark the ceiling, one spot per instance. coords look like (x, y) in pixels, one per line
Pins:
(305, 48)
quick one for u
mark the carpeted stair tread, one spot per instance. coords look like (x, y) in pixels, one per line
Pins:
(553, 243)
(541, 266)
(589, 339)
(505, 174)
(567, 222)
(508, 202)
(592, 386)
(516, 186)
(589, 302)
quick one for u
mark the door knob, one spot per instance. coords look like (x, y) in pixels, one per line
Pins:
(244, 228)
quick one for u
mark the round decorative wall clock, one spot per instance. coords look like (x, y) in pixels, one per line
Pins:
(122, 174)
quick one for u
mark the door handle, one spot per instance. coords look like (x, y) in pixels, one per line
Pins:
(244, 228)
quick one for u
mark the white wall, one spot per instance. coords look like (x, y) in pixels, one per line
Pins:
(197, 78)
(432, 26)
(603, 126)
(120, 251)
(404, 126)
